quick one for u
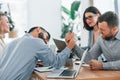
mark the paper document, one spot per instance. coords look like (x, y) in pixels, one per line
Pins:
(44, 69)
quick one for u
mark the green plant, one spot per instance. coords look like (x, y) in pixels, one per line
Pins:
(67, 25)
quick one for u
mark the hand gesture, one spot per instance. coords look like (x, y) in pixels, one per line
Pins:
(69, 36)
(95, 65)
(70, 40)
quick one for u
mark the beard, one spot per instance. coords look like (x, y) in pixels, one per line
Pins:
(108, 37)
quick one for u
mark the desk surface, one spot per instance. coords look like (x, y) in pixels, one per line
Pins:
(87, 74)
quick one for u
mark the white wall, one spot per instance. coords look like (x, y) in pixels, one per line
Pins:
(104, 5)
(45, 13)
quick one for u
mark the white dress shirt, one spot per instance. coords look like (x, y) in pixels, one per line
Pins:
(19, 65)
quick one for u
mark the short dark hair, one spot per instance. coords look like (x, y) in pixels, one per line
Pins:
(33, 28)
(93, 10)
(110, 17)
(48, 37)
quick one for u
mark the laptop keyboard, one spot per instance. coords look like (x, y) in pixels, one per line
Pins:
(68, 72)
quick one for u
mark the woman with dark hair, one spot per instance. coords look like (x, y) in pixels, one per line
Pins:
(90, 21)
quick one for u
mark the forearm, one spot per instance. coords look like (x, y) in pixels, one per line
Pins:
(62, 57)
(51, 59)
(78, 51)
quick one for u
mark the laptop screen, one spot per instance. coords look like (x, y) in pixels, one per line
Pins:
(60, 44)
(67, 73)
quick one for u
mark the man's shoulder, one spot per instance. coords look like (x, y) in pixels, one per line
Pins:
(99, 38)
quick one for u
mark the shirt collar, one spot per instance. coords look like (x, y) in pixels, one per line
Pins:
(118, 35)
(27, 34)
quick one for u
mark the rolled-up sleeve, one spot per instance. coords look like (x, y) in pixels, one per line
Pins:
(51, 59)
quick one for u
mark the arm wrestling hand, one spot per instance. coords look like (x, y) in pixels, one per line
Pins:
(71, 43)
(69, 36)
(95, 65)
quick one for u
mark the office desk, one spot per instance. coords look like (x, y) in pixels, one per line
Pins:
(87, 74)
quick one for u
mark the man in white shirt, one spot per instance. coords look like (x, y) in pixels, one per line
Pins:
(21, 56)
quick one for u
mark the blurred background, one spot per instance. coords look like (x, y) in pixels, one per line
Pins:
(50, 14)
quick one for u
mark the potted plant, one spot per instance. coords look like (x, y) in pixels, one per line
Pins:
(67, 25)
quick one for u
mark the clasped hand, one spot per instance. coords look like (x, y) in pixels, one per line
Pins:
(95, 64)
(70, 40)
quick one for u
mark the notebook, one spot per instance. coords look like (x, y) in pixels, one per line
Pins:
(60, 44)
(67, 73)
(44, 69)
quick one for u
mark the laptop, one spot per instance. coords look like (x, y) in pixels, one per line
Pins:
(60, 44)
(67, 73)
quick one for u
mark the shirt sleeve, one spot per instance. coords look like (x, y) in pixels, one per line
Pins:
(49, 58)
(94, 52)
(78, 51)
(112, 65)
